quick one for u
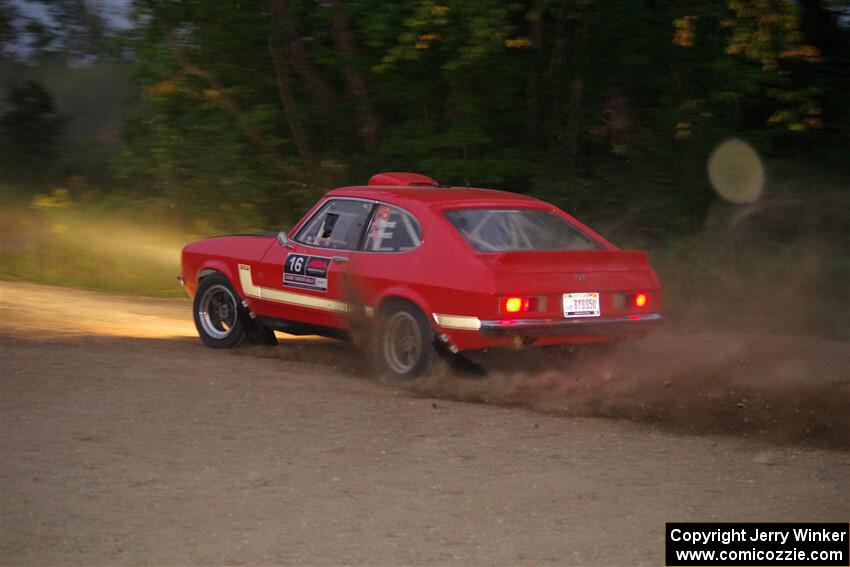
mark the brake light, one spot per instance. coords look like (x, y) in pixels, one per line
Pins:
(641, 300)
(516, 304)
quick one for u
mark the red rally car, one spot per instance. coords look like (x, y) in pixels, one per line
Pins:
(428, 268)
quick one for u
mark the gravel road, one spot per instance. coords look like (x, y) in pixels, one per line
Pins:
(125, 441)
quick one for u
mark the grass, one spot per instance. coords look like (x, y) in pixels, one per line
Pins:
(71, 246)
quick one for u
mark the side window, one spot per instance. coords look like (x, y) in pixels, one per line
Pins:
(338, 224)
(392, 230)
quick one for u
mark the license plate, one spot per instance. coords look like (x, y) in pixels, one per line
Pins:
(581, 305)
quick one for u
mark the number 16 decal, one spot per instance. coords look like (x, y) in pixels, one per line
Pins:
(296, 264)
(306, 272)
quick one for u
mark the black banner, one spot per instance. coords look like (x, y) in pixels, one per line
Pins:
(757, 544)
(306, 272)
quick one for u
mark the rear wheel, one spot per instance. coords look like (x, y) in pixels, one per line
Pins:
(216, 312)
(405, 341)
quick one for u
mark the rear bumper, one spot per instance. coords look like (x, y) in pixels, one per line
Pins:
(570, 327)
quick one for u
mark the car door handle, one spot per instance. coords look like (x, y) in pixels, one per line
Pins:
(340, 259)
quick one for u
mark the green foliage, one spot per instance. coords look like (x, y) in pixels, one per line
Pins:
(248, 110)
(29, 132)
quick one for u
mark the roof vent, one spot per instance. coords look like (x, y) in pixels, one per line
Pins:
(400, 178)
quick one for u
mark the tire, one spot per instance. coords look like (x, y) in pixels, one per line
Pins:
(216, 311)
(405, 348)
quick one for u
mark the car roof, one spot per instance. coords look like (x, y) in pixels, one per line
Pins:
(440, 197)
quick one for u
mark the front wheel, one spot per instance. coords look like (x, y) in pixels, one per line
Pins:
(405, 342)
(216, 313)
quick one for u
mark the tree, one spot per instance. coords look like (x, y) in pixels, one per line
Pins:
(599, 106)
(8, 32)
(29, 132)
(76, 29)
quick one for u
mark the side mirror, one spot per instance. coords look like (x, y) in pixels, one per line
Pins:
(283, 239)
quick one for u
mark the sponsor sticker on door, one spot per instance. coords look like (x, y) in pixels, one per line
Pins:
(306, 272)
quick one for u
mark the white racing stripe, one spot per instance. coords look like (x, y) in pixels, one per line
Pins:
(463, 322)
(288, 297)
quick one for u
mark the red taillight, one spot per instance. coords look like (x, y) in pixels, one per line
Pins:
(516, 304)
(641, 300)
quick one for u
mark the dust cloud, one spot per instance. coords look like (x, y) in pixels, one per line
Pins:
(755, 343)
(779, 266)
(774, 388)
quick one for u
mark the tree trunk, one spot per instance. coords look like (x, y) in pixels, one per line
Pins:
(286, 33)
(344, 41)
(287, 101)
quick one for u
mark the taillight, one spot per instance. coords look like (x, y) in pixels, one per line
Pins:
(515, 304)
(641, 300)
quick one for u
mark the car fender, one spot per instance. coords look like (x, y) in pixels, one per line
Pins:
(407, 294)
(222, 267)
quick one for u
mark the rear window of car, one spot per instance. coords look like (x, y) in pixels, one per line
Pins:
(508, 230)
(392, 230)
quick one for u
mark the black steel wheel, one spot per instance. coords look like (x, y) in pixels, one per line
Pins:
(405, 341)
(216, 312)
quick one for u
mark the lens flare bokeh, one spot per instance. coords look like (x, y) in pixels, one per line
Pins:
(736, 172)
